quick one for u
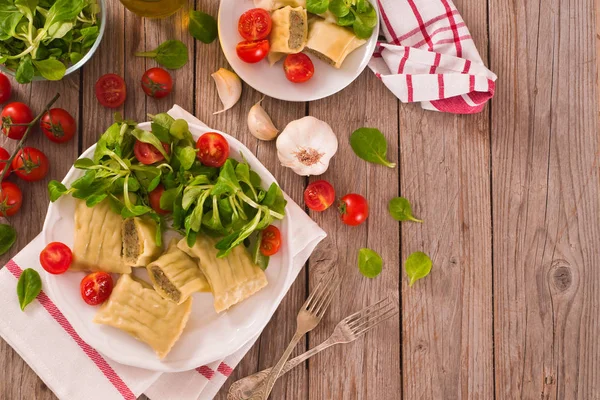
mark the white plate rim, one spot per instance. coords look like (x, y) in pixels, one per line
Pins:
(155, 364)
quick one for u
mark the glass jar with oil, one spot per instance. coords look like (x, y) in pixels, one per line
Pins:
(153, 8)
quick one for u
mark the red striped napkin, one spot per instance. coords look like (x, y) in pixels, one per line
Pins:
(73, 370)
(430, 57)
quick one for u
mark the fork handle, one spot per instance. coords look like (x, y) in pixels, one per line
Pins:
(264, 390)
(243, 388)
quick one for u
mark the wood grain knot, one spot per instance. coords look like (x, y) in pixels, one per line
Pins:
(562, 277)
(421, 348)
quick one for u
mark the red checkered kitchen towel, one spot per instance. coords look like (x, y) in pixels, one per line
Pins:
(430, 57)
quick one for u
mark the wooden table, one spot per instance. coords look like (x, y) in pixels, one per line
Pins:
(510, 199)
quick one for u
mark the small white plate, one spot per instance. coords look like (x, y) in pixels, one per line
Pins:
(271, 81)
(208, 336)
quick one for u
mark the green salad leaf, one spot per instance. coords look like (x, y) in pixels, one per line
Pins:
(370, 145)
(28, 287)
(401, 210)
(171, 54)
(317, 6)
(203, 27)
(370, 263)
(51, 69)
(418, 265)
(8, 236)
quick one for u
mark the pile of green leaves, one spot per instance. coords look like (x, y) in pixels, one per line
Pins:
(227, 202)
(360, 15)
(42, 37)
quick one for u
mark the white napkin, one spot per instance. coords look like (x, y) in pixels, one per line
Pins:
(73, 370)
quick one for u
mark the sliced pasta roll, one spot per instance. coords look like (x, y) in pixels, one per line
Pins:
(139, 242)
(330, 42)
(134, 307)
(233, 278)
(176, 276)
(271, 5)
(290, 30)
(98, 239)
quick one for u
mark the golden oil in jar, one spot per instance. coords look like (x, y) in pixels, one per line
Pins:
(153, 8)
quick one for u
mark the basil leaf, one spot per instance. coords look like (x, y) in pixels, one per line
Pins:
(28, 287)
(370, 263)
(25, 70)
(401, 210)
(56, 190)
(418, 265)
(8, 236)
(150, 138)
(172, 54)
(317, 6)
(52, 70)
(370, 145)
(203, 27)
(339, 8)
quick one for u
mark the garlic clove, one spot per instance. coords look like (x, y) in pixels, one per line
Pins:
(260, 124)
(229, 88)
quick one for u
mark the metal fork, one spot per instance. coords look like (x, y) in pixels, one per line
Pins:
(309, 317)
(346, 331)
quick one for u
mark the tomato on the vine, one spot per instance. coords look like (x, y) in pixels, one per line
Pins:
(4, 156)
(111, 90)
(154, 198)
(30, 164)
(157, 83)
(58, 125)
(56, 258)
(354, 209)
(10, 199)
(96, 288)
(319, 195)
(255, 24)
(213, 149)
(15, 113)
(252, 52)
(298, 68)
(148, 154)
(270, 241)
(5, 89)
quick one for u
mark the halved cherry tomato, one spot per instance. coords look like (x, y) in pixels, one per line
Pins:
(30, 164)
(154, 197)
(96, 288)
(148, 154)
(56, 258)
(354, 209)
(15, 113)
(157, 83)
(58, 125)
(10, 199)
(4, 156)
(255, 24)
(270, 241)
(111, 90)
(213, 149)
(319, 195)
(252, 52)
(5, 89)
(298, 68)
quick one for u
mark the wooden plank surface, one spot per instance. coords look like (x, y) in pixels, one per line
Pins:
(509, 198)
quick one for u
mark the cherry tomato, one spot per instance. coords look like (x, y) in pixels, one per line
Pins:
(4, 156)
(354, 209)
(5, 89)
(111, 90)
(157, 83)
(213, 149)
(10, 199)
(148, 154)
(252, 52)
(270, 241)
(298, 68)
(154, 197)
(255, 24)
(96, 288)
(319, 195)
(15, 113)
(56, 258)
(30, 164)
(58, 125)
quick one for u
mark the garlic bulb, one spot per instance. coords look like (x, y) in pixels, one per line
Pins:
(260, 124)
(229, 87)
(306, 146)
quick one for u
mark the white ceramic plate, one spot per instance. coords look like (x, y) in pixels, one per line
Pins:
(271, 80)
(208, 336)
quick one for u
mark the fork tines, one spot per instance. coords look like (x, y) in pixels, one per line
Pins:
(371, 316)
(320, 298)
